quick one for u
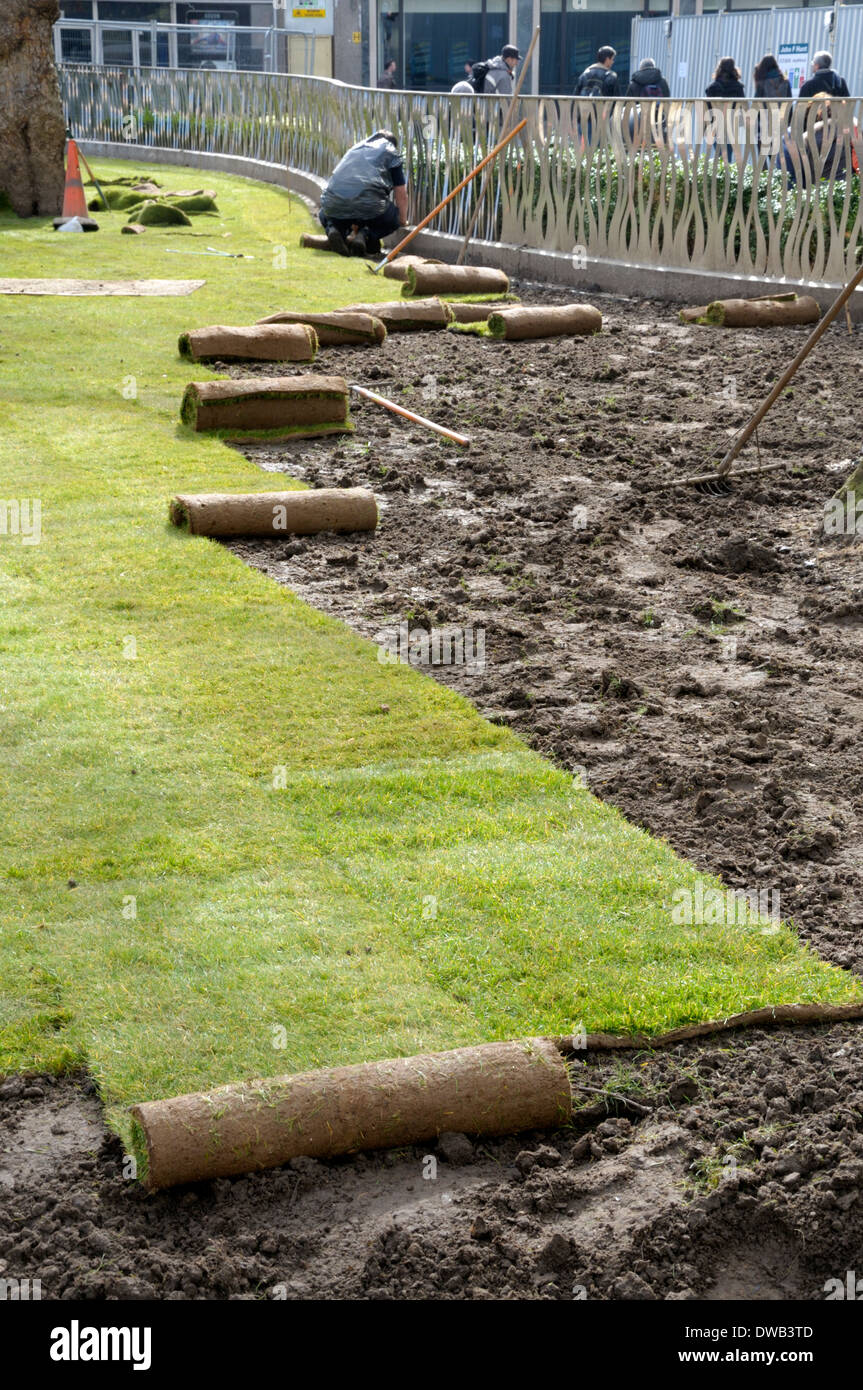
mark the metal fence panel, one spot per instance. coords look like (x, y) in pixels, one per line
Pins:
(750, 188)
(694, 50)
(689, 57)
(848, 45)
(745, 36)
(803, 27)
(649, 41)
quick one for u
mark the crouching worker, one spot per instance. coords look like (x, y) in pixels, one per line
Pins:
(366, 198)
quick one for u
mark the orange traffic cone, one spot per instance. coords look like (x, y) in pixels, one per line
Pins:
(74, 201)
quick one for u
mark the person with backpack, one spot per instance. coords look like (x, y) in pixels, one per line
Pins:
(647, 82)
(824, 79)
(495, 77)
(368, 192)
(726, 81)
(600, 79)
(770, 80)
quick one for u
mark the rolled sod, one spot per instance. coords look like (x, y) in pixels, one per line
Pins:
(496, 1088)
(268, 407)
(474, 313)
(558, 321)
(314, 241)
(453, 279)
(398, 269)
(277, 342)
(769, 311)
(406, 318)
(275, 513)
(339, 327)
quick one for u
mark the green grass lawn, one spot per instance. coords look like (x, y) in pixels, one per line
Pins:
(420, 880)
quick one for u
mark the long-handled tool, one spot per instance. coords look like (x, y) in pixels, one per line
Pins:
(724, 467)
(449, 197)
(232, 255)
(408, 414)
(508, 120)
(93, 178)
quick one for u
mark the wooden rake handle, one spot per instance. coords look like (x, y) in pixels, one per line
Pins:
(409, 414)
(820, 328)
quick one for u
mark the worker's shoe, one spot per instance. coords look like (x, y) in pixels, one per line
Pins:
(359, 244)
(336, 241)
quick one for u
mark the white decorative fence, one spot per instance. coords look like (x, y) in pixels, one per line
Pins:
(748, 188)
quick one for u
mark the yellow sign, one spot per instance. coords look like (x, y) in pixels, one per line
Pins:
(309, 14)
(357, 36)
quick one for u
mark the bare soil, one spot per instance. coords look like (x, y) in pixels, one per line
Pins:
(699, 661)
(730, 1169)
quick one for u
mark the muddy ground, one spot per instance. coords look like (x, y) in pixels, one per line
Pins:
(726, 1170)
(698, 661)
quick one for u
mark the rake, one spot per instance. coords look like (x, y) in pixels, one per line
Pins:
(409, 414)
(715, 484)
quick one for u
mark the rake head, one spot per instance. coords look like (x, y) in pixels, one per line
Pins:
(713, 487)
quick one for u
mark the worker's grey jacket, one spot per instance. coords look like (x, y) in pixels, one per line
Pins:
(498, 79)
(363, 180)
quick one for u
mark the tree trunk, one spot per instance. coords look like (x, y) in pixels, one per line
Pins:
(32, 126)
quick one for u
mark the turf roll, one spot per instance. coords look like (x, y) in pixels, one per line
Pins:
(398, 269)
(314, 241)
(296, 513)
(399, 317)
(474, 313)
(495, 1088)
(767, 312)
(277, 342)
(339, 327)
(453, 279)
(558, 321)
(268, 407)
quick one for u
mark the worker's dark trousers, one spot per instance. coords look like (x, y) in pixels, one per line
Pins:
(374, 227)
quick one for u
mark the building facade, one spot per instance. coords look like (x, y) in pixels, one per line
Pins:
(352, 40)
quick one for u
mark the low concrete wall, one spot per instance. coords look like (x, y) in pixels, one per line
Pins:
(520, 262)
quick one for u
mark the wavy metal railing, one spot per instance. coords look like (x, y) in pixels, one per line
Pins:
(751, 188)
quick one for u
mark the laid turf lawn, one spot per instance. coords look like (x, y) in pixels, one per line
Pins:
(255, 843)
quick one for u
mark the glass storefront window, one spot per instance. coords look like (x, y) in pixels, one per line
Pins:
(432, 40)
(572, 33)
